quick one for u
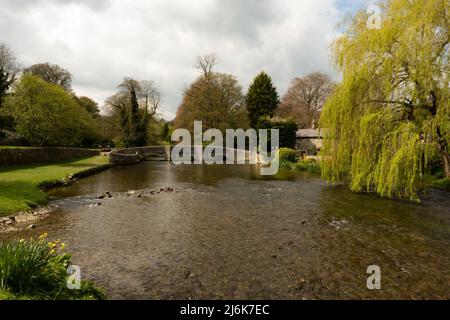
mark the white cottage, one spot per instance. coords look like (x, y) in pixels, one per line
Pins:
(308, 141)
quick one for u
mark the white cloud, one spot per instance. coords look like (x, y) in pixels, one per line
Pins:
(100, 42)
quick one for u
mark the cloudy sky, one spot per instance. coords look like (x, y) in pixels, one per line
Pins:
(102, 41)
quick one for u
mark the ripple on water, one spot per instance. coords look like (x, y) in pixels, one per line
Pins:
(228, 233)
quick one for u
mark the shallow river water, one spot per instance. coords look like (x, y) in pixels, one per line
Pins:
(227, 233)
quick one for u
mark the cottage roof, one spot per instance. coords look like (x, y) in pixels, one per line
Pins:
(308, 133)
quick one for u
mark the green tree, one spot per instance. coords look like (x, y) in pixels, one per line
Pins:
(8, 70)
(51, 73)
(391, 114)
(214, 98)
(89, 105)
(159, 132)
(47, 115)
(166, 132)
(6, 121)
(5, 83)
(108, 129)
(262, 99)
(8, 73)
(133, 107)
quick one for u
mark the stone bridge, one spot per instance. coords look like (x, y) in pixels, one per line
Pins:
(162, 153)
(136, 155)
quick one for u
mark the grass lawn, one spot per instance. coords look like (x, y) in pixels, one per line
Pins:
(19, 184)
(14, 147)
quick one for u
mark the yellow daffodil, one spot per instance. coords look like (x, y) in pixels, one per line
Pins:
(52, 244)
(43, 236)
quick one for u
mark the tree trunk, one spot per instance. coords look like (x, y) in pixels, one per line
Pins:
(443, 149)
(446, 158)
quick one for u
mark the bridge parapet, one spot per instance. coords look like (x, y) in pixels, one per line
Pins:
(135, 155)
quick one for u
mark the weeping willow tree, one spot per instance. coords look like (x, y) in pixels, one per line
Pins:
(390, 115)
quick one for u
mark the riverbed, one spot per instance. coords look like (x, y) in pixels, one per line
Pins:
(225, 232)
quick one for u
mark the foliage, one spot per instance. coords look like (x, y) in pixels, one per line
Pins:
(305, 98)
(118, 142)
(214, 98)
(286, 154)
(19, 186)
(443, 184)
(8, 71)
(133, 107)
(310, 165)
(6, 80)
(262, 99)
(166, 132)
(46, 115)
(51, 73)
(288, 161)
(436, 180)
(36, 269)
(138, 121)
(89, 105)
(390, 115)
(159, 132)
(108, 129)
(287, 131)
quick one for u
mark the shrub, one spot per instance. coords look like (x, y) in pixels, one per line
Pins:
(36, 269)
(310, 165)
(287, 131)
(442, 184)
(286, 155)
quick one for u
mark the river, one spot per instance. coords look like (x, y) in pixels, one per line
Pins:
(225, 232)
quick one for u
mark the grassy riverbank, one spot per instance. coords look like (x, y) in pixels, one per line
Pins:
(14, 147)
(19, 185)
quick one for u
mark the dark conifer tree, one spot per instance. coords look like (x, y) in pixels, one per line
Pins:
(262, 99)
